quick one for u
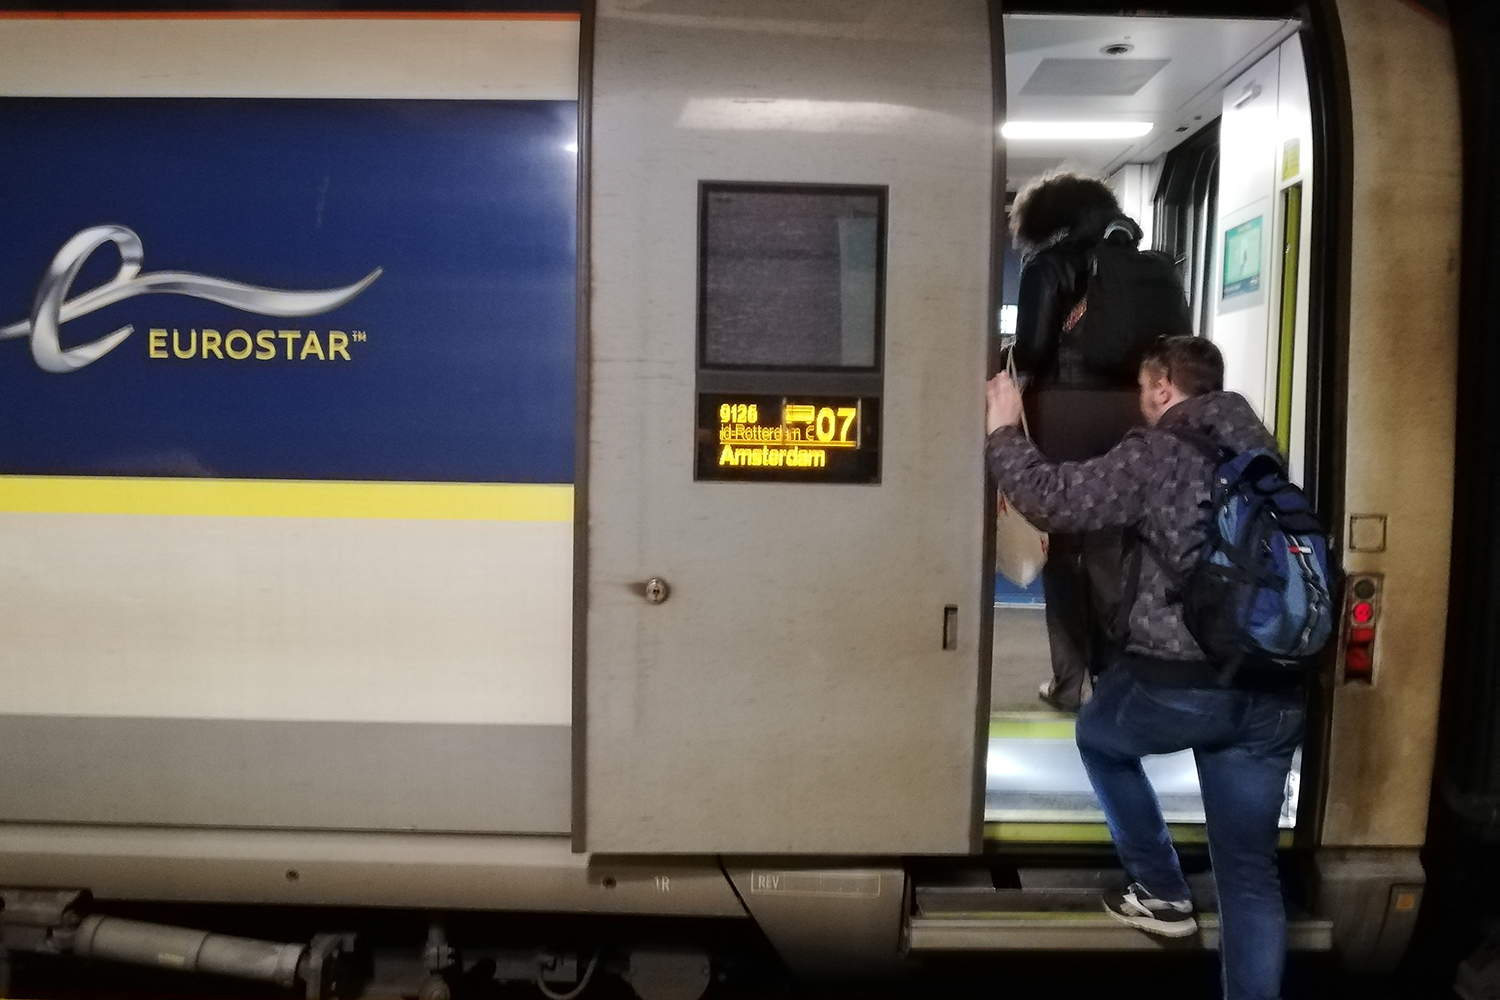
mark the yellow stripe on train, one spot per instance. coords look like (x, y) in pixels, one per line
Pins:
(286, 498)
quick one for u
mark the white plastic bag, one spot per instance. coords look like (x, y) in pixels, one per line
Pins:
(1020, 549)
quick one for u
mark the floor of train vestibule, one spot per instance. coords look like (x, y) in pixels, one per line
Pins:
(1021, 660)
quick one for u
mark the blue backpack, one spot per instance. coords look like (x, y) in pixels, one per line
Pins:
(1261, 594)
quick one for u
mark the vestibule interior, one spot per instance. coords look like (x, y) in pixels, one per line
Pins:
(1203, 128)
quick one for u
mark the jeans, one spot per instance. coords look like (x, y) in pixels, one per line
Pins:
(1243, 743)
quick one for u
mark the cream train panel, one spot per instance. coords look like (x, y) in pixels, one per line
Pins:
(471, 57)
(1403, 340)
(286, 618)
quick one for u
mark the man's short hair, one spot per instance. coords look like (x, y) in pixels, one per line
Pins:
(1192, 364)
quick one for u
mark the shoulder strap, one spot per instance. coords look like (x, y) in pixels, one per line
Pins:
(1206, 446)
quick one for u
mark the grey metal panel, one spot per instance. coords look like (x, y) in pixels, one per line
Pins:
(1373, 896)
(1084, 932)
(315, 775)
(825, 920)
(311, 868)
(792, 695)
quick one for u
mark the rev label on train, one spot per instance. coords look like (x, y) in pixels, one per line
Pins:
(797, 439)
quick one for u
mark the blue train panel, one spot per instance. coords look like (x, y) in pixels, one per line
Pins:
(288, 289)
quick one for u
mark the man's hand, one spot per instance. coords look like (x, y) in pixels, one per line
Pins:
(1002, 403)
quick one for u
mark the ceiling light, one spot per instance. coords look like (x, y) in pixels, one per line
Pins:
(797, 115)
(1074, 130)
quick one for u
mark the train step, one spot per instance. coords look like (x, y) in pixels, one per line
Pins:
(1063, 910)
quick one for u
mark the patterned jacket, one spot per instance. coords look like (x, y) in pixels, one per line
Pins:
(1152, 481)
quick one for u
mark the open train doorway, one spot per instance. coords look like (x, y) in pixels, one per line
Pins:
(1203, 129)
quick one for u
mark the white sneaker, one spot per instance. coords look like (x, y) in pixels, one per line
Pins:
(1138, 908)
(1045, 693)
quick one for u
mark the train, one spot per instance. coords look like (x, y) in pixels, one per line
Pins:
(527, 460)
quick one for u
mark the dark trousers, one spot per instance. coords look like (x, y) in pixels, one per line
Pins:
(1081, 582)
(1243, 742)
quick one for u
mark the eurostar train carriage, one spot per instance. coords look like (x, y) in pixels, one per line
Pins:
(530, 463)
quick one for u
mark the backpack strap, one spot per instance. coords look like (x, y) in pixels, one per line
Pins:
(1228, 672)
(1130, 585)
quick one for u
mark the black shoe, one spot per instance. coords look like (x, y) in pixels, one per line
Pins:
(1053, 701)
(1138, 908)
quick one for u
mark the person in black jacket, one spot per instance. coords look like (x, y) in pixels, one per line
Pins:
(1075, 413)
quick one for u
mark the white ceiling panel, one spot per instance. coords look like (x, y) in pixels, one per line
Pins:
(1167, 71)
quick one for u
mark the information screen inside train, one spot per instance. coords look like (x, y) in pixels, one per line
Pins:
(804, 439)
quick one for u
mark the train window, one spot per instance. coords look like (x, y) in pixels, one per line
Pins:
(1186, 210)
(791, 276)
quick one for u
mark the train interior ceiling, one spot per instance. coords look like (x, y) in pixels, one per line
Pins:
(1203, 128)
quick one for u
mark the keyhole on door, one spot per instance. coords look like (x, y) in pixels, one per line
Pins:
(657, 590)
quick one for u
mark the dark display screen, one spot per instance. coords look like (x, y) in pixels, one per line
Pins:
(791, 277)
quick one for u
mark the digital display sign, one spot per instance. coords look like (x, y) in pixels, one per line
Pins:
(1242, 250)
(788, 439)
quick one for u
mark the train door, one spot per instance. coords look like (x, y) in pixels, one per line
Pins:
(782, 576)
(1309, 306)
(1143, 102)
(1146, 103)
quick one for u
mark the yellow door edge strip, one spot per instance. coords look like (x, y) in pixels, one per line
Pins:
(1091, 833)
(286, 498)
(1012, 728)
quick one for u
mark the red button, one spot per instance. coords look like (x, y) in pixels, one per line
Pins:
(1363, 612)
(1365, 635)
(1357, 660)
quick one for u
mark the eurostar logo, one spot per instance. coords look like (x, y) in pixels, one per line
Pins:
(52, 308)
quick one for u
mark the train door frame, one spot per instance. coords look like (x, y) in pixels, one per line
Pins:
(1326, 247)
(1345, 824)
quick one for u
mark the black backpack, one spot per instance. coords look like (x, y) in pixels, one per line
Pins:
(1132, 297)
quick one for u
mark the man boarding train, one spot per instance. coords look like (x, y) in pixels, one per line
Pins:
(1165, 694)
